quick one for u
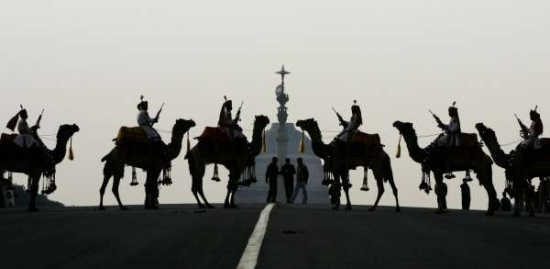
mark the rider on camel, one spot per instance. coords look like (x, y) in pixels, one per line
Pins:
(452, 131)
(25, 139)
(351, 126)
(531, 135)
(146, 122)
(226, 121)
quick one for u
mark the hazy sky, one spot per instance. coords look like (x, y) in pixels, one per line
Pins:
(87, 62)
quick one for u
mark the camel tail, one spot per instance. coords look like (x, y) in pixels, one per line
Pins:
(105, 157)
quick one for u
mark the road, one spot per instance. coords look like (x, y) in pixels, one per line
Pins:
(313, 236)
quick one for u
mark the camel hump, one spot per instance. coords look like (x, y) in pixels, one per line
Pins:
(545, 142)
(7, 138)
(213, 134)
(469, 140)
(369, 140)
(131, 134)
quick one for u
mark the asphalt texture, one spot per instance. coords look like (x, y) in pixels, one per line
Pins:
(298, 236)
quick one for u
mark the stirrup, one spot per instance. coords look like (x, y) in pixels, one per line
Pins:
(449, 175)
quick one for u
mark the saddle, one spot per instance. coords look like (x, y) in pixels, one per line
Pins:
(368, 140)
(214, 134)
(7, 139)
(132, 135)
(469, 140)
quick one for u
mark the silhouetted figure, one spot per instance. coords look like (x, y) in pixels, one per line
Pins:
(288, 171)
(451, 132)
(351, 126)
(451, 136)
(25, 138)
(302, 176)
(505, 203)
(146, 122)
(271, 175)
(441, 192)
(226, 121)
(544, 194)
(470, 156)
(465, 191)
(531, 134)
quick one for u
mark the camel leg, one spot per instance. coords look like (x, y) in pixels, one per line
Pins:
(195, 190)
(517, 205)
(201, 192)
(486, 179)
(106, 178)
(226, 202)
(380, 185)
(35, 180)
(337, 191)
(388, 175)
(151, 190)
(441, 199)
(116, 183)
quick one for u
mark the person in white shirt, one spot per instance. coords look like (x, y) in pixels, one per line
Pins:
(351, 126)
(146, 122)
(25, 138)
(452, 131)
(226, 121)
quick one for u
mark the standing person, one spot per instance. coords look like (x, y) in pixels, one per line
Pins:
(288, 171)
(465, 191)
(271, 175)
(505, 203)
(302, 176)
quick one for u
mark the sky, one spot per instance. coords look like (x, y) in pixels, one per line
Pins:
(87, 62)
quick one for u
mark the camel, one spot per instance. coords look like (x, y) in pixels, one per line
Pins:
(441, 160)
(35, 161)
(519, 170)
(236, 155)
(145, 155)
(369, 154)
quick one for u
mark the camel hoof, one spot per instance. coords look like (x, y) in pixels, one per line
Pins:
(102, 208)
(335, 208)
(397, 209)
(372, 209)
(490, 213)
(226, 205)
(201, 206)
(531, 214)
(210, 206)
(348, 208)
(33, 209)
(516, 214)
(123, 208)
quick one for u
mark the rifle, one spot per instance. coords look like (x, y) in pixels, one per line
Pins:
(238, 116)
(437, 119)
(37, 125)
(338, 115)
(158, 114)
(524, 132)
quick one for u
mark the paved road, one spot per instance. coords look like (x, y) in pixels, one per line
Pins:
(297, 237)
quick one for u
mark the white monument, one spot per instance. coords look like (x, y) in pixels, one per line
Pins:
(282, 141)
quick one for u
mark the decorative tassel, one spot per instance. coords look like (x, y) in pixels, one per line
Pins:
(365, 186)
(398, 154)
(302, 144)
(264, 143)
(71, 154)
(216, 177)
(134, 177)
(188, 143)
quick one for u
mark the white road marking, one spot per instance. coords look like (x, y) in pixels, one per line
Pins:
(252, 250)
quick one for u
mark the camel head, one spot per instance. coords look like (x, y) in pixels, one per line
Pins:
(484, 131)
(261, 121)
(66, 131)
(183, 125)
(405, 128)
(307, 124)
